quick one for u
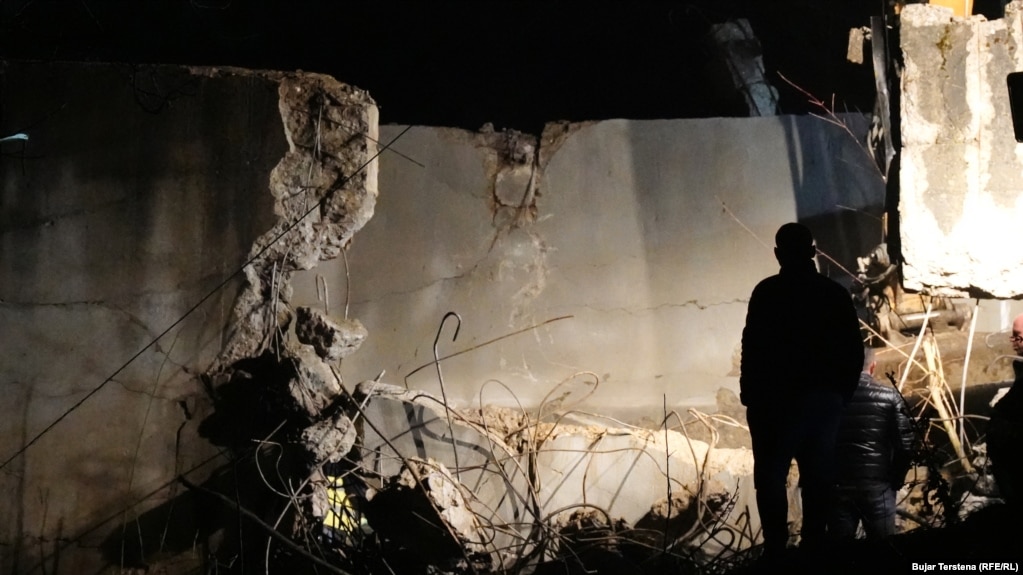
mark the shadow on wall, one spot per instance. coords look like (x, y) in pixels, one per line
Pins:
(191, 521)
(255, 426)
(841, 198)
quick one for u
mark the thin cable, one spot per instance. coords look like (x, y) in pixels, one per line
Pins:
(196, 306)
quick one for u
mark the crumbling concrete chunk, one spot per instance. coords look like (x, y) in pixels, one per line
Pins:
(425, 509)
(330, 440)
(332, 340)
(314, 385)
(506, 423)
(446, 493)
(331, 112)
(325, 190)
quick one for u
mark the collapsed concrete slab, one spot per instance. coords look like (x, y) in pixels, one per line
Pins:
(526, 479)
(627, 472)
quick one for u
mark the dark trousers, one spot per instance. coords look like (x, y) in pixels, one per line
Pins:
(874, 506)
(802, 428)
(1004, 440)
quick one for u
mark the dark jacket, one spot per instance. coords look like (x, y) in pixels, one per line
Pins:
(875, 439)
(1010, 407)
(1005, 428)
(1005, 439)
(801, 334)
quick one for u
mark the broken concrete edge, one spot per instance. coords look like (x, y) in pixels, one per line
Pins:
(324, 189)
(272, 75)
(332, 339)
(938, 285)
(301, 239)
(495, 430)
(514, 162)
(933, 15)
(508, 428)
(675, 519)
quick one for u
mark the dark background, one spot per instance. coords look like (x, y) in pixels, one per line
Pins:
(462, 64)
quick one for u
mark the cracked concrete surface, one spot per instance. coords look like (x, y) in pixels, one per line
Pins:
(649, 234)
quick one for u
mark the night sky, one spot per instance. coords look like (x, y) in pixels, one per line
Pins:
(462, 64)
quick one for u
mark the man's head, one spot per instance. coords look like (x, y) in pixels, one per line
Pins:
(1017, 334)
(793, 244)
(869, 360)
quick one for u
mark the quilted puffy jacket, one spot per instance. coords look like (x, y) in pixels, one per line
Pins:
(875, 438)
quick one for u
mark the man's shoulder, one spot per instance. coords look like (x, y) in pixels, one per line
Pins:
(812, 284)
(878, 391)
(812, 277)
(768, 288)
(767, 282)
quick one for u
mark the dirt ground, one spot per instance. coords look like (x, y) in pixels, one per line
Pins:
(991, 535)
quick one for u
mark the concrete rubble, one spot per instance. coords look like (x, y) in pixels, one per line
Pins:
(332, 340)
(428, 511)
(522, 479)
(330, 440)
(314, 386)
(325, 191)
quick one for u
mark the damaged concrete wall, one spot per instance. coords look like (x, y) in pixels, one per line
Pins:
(961, 173)
(632, 246)
(128, 218)
(649, 234)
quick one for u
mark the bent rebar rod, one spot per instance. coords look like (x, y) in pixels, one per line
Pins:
(443, 393)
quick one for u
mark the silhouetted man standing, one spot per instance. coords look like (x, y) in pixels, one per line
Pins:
(801, 359)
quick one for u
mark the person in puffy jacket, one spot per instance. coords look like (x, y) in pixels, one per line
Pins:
(873, 452)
